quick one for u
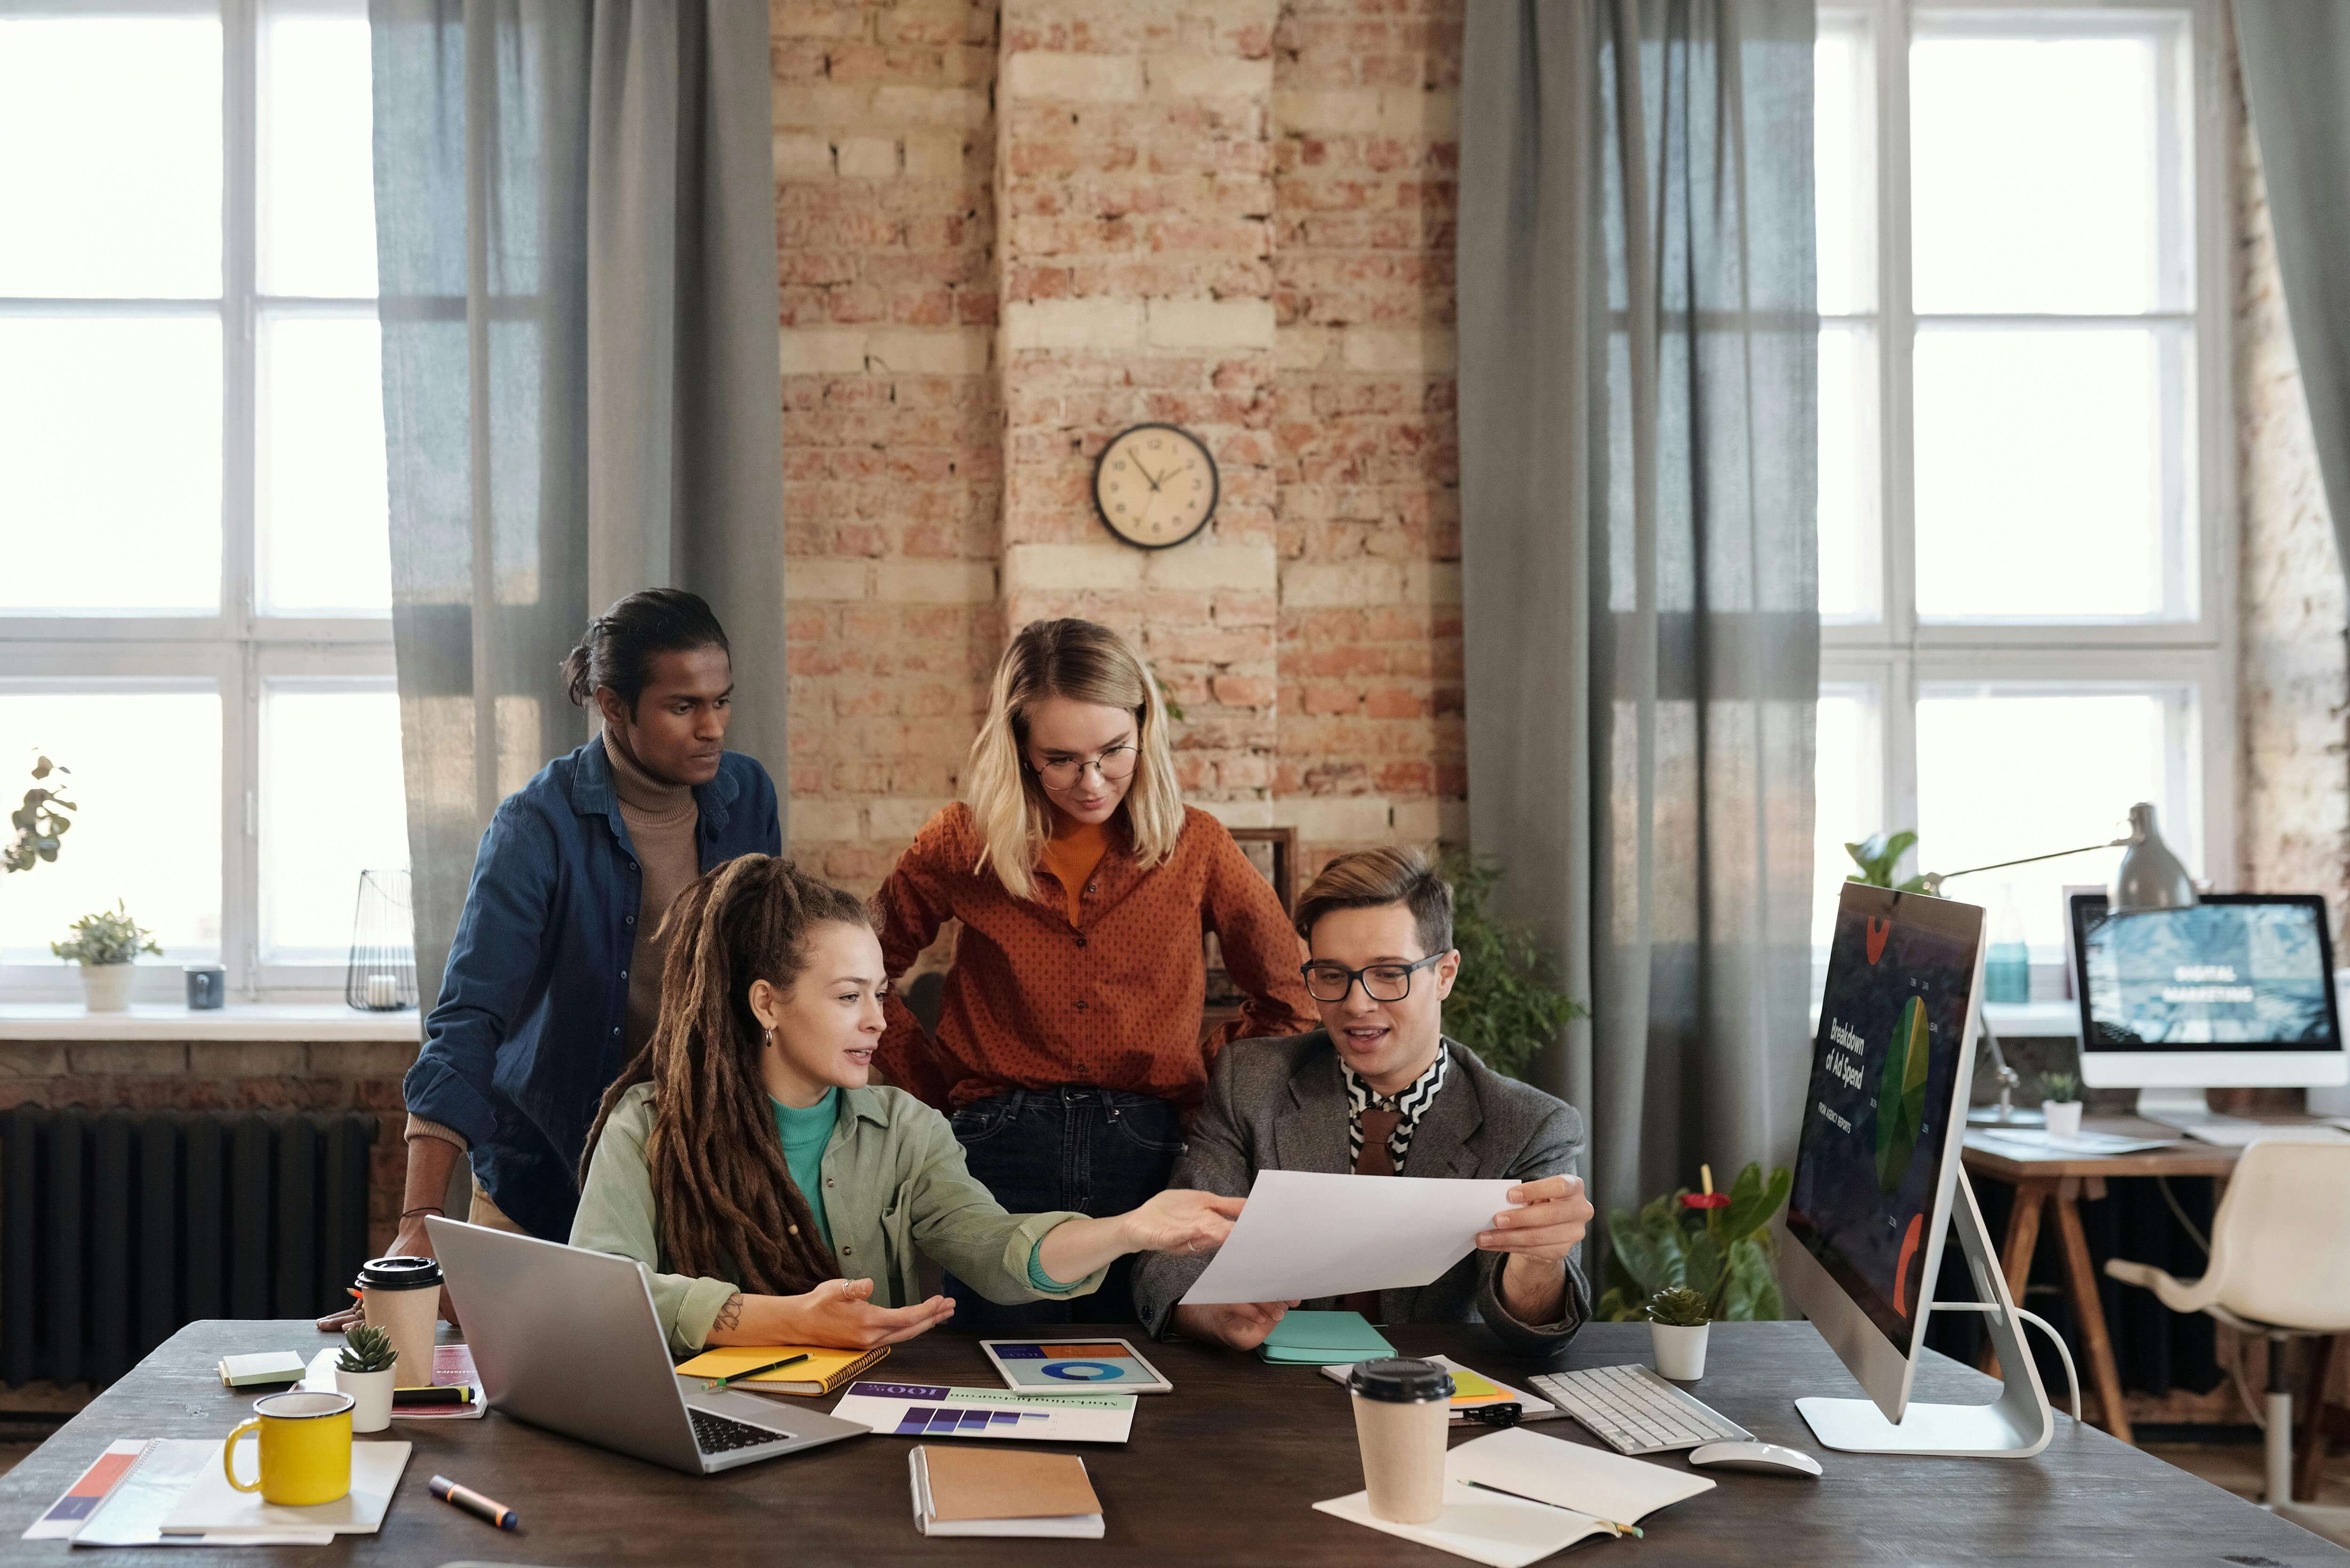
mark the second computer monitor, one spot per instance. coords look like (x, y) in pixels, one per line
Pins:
(2234, 991)
(1883, 1116)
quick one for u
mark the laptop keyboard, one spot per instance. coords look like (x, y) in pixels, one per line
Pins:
(717, 1434)
(1634, 1411)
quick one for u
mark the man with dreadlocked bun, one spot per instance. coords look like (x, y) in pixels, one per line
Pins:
(772, 1197)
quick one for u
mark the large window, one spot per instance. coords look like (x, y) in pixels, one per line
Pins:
(2025, 531)
(194, 617)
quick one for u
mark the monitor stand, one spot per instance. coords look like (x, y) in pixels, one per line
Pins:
(2015, 1426)
(2189, 1112)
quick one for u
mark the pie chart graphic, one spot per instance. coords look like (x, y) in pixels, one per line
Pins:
(1079, 1371)
(1901, 1097)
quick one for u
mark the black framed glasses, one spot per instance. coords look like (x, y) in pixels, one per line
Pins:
(1327, 981)
(1113, 765)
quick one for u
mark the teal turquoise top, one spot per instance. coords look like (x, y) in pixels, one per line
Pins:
(806, 1130)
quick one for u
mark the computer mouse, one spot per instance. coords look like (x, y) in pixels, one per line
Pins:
(1768, 1458)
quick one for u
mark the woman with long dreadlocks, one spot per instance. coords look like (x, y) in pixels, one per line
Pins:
(772, 1197)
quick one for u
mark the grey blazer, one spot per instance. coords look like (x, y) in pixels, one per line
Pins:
(1281, 1104)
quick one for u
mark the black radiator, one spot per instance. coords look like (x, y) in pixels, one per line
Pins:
(118, 1227)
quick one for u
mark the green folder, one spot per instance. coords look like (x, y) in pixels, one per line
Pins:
(1323, 1339)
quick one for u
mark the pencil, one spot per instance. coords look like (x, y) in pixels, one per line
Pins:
(715, 1386)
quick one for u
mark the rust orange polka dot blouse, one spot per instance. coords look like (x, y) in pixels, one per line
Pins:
(1113, 999)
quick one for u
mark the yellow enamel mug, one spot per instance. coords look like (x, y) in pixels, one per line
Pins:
(306, 1448)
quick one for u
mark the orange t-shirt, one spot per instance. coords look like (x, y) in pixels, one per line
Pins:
(1071, 855)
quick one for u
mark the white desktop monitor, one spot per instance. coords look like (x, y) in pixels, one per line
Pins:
(1884, 1115)
(2235, 991)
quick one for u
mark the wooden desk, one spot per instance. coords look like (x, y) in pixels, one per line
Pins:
(2056, 1184)
(1223, 1470)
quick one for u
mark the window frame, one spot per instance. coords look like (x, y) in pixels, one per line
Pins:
(1898, 652)
(236, 647)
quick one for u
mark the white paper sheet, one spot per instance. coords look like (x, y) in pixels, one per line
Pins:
(209, 1507)
(1305, 1235)
(1608, 1486)
(935, 1410)
(1482, 1526)
(134, 1511)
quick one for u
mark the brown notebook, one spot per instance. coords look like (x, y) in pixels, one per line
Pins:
(963, 1490)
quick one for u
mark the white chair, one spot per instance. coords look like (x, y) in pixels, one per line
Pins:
(2280, 1268)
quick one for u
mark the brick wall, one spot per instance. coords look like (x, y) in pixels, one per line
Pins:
(2293, 823)
(215, 1075)
(1010, 231)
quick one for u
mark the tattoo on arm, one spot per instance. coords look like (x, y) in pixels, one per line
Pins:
(730, 1316)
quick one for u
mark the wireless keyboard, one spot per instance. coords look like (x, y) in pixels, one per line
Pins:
(1634, 1411)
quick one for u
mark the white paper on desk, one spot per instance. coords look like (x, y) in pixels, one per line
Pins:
(1482, 1526)
(1590, 1480)
(1304, 1235)
(212, 1509)
(134, 1511)
(451, 1364)
(2041, 1142)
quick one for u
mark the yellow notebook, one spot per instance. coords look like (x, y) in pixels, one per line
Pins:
(825, 1370)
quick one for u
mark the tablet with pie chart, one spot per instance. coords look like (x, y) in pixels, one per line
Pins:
(1073, 1366)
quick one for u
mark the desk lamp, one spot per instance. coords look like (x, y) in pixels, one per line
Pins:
(2149, 879)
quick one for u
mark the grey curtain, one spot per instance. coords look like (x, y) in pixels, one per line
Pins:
(2296, 65)
(1638, 430)
(575, 226)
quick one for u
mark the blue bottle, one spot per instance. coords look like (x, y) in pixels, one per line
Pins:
(2007, 967)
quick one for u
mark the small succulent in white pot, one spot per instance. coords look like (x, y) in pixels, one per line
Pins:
(364, 1370)
(1677, 1320)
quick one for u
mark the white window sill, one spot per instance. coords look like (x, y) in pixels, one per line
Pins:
(2035, 1020)
(237, 1022)
(2019, 1020)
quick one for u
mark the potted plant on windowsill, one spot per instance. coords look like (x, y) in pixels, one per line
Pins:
(364, 1370)
(107, 945)
(1678, 1320)
(2060, 1103)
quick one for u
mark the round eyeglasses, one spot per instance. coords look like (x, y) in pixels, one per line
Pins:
(1115, 764)
(1381, 981)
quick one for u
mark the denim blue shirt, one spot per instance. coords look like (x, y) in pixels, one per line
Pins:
(528, 1033)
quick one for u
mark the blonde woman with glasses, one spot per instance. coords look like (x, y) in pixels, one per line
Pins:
(1069, 1042)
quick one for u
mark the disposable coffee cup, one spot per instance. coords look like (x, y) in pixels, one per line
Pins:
(402, 1296)
(1402, 1410)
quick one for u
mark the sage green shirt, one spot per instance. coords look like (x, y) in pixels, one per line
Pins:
(895, 1189)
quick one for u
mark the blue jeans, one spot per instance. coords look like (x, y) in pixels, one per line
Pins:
(1098, 1151)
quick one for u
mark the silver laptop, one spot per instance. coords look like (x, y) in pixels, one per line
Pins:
(567, 1339)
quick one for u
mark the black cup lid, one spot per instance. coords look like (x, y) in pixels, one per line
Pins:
(1400, 1382)
(398, 1274)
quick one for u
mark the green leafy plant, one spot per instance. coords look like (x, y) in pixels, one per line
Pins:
(1877, 855)
(1901, 1097)
(367, 1349)
(1717, 1245)
(1503, 1005)
(110, 935)
(1678, 1306)
(2061, 1087)
(41, 822)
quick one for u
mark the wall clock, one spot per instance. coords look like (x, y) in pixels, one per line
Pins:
(1155, 485)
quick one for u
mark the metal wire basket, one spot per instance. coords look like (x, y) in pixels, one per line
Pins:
(382, 973)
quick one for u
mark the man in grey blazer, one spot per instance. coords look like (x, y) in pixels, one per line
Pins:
(1378, 1090)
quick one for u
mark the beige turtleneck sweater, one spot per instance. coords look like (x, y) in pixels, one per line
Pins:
(661, 819)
